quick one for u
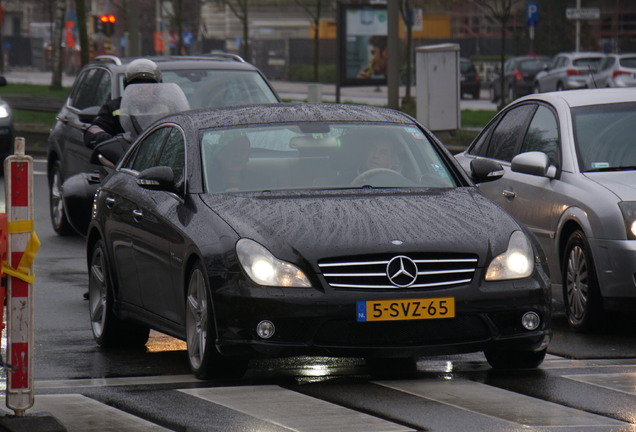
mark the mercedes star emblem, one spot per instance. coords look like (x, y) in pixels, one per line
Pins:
(401, 271)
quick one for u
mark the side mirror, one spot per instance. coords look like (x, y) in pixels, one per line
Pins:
(485, 170)
(157, 178)
(87, 115)
(533, 163)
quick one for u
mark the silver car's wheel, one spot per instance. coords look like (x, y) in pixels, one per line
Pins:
(56, 204)
(205, 361)
(107, 329)
(580, 286)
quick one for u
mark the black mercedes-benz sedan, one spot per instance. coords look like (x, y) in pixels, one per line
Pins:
(309, 229)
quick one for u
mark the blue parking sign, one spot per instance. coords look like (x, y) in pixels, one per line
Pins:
(532, 13)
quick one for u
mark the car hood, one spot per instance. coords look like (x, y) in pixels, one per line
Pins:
(621, 183)
(315, 225)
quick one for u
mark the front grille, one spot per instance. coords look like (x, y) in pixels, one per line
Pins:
(399, 271)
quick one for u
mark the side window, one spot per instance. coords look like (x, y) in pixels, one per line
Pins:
(173, 154)
(148, 151)
(543, 135)
(505, 137)
(93, 89)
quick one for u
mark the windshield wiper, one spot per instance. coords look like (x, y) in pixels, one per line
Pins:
(614, 168)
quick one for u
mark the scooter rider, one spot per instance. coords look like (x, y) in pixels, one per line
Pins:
(107, 123)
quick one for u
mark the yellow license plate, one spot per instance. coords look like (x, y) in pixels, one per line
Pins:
(406, 309)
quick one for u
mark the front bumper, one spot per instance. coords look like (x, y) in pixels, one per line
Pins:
(311, 322)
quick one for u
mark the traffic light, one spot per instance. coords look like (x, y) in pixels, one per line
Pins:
(108, 24)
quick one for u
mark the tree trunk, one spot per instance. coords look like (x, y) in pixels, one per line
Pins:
(80, 9)
(57, 60)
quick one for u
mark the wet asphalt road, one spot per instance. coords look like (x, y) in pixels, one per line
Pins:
(588, 383)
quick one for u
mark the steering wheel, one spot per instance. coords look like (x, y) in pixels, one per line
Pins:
(362, 177)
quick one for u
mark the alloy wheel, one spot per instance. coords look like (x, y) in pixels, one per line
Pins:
(98, 291)
(577, 282)
(197, 318)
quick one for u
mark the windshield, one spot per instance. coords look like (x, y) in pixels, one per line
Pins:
(215, 88)
(604, 136)
(321, 156)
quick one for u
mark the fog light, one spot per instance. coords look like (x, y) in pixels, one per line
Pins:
(530, 320)
(265, 329)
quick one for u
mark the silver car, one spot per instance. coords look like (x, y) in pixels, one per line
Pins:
(616, 70)
(569, 163)
(567, 71)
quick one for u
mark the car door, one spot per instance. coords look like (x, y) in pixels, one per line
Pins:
(92, 89)
(549, 80)
(539, 201)
(501, 142)
(153, 225)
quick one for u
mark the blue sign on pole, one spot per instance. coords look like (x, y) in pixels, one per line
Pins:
(187, 38)
(532, 13)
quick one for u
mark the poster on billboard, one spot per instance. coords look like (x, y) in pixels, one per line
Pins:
(363, 44)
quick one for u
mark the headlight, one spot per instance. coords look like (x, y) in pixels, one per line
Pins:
(628, 208)
(265, 269)
(515, 263)
(5, 111)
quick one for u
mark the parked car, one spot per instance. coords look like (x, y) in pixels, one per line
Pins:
(213, 80)
(519, 74)
(570, 176)
(6, 128)
(314, 229)
(568, 71)
(616, 70)
(469, 79)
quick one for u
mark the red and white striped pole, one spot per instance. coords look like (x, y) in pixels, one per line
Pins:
(22, 245)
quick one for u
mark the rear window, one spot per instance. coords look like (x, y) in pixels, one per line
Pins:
(532, 65)
(628, 62)
(217, 88)
(589, 63)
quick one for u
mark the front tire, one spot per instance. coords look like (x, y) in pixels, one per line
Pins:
(581, 295)
(108, 330)
(205, 361)
(514, 359)
(56, 203)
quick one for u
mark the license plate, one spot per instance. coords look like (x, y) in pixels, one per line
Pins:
(406, 309)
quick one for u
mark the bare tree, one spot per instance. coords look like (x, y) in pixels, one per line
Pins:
(240, 9)
(407, 11)
(501, 11)
(58, 27)
(314, 14)
(82, 32)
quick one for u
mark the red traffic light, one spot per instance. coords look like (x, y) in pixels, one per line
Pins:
(108, 18)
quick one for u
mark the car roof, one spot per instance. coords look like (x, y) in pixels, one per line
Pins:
(585, 97)
(288, 113)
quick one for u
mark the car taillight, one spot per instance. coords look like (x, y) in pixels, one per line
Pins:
(619, 72)
(574, 72)
(518, 75)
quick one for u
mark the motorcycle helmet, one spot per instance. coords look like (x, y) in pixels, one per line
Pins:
(142, 71)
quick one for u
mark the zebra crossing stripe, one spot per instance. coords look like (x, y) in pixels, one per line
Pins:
(293, 410)
(82, 414)
(498, 403)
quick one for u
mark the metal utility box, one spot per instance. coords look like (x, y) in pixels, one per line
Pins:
(437, 68)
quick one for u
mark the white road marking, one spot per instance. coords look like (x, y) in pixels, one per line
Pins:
(622, 382)
(82, 414)
(498, 403)
(293, 410)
